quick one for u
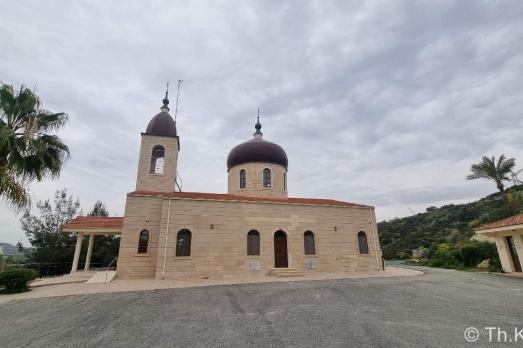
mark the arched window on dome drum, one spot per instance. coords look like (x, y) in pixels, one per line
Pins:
(253, 243)
(284, 181)
(267, 178)
(243, 179)
(362, 243)
(183, 243)
(157, 160)
(143, 242)
(308, 243)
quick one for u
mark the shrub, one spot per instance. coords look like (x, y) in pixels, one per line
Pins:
(473, 252)
(442, 255)
(403, 255)
(15, 279)
(495, 265)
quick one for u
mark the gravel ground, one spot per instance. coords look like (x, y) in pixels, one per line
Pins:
(431, 310)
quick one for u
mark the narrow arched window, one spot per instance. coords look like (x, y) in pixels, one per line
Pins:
(362, 243)
(308, 243)
(157, 160)
(183, 243)
(284, 181)
(243, 179)
(267, 178)
(253, 243)
(143, 242)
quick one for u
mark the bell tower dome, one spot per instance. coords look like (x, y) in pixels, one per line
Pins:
(159, 153)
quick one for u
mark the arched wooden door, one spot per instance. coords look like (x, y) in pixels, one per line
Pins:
(280, 250)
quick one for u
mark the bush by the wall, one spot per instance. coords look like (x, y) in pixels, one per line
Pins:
(15, 279)
(473, 252)
(465, 255)
(442, 255)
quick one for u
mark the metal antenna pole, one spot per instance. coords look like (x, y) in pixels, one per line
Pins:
(177, 99)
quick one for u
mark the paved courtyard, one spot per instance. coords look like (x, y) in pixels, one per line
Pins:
(429, 310)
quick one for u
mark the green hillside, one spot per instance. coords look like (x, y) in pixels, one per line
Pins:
(451, 223)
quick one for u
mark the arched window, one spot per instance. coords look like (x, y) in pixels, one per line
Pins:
(143, 242)
(308, 243)
(243, 178)
(253, 243)
(284, 181)
(183, 243)
(267, 178)
(362, 243)
(157, 160)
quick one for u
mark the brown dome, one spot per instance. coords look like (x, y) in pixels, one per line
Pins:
(257, 150)
(162, 124)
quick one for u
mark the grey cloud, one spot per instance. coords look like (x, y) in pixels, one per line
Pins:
(385, 103)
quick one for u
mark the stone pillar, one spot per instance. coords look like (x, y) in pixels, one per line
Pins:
(89, 252)
(77, 250)
(503, 253)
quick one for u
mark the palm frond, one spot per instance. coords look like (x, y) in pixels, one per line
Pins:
(505, 167)
(12, 191)
(26, 148)
(47, 121)
(492, 169)
(7, 102)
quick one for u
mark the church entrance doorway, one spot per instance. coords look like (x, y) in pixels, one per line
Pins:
(280, 250)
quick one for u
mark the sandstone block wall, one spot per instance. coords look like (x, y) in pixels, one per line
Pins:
(157, 182)
(219, 238)
(254, 187)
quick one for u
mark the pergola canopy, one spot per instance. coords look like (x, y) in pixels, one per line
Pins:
(99, 225)
(508, 224)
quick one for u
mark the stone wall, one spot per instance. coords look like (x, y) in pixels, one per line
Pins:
(254, 187)
(219, 238)
(503, 248)
(157, 182)
(140, 213)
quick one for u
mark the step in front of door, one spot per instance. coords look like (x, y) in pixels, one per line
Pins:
(286, 272)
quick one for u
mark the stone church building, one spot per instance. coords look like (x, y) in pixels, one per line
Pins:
(254, 229)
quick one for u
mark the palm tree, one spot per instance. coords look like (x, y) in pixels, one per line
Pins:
(490, 169)
(27, 151)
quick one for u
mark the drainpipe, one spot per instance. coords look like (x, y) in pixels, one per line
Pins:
(166, 238)
(374, 233)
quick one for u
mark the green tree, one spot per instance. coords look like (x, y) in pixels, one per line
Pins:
(27, 151)
(99, 209)
(494, 170)
(44, 231)
(105, 248)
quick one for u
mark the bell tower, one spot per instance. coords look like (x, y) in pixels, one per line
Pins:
(159, 153)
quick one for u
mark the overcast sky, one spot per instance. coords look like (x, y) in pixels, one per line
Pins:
(384, 103)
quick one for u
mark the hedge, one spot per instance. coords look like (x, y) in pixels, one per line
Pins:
(16, 279)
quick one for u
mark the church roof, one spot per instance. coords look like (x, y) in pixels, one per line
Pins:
(257, 150)
(228, 197)
(162, 124)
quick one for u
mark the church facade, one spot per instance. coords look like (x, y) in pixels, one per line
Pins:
(253, 230)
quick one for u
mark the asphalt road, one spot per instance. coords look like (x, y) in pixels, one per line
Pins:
(431, 310)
